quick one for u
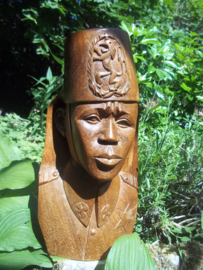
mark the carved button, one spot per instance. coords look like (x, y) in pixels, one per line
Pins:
(55, 173)
(93, 231)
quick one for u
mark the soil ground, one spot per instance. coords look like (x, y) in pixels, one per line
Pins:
(167, 256)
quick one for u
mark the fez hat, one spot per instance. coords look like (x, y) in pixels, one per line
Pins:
(99, 67)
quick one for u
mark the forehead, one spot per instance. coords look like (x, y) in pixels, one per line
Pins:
(110, 107)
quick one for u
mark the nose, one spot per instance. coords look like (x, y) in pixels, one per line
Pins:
(109, 134)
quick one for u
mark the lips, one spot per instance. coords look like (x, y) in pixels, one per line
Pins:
(109, 160)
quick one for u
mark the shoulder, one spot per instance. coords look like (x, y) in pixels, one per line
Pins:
(129, 179)
(48, 175)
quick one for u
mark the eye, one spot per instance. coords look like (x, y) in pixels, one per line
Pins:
(92, 119)
(123, 123)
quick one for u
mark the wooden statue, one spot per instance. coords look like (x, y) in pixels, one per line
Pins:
(88, 176)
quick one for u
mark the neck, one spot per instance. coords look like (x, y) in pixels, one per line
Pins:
(85, 176)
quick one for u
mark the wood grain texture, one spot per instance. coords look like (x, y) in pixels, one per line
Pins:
(88, 176)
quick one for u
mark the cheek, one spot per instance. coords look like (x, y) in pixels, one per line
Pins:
(85, 140)
(126, 138)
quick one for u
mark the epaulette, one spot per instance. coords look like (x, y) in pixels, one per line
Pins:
(48, 175)
(129, 179)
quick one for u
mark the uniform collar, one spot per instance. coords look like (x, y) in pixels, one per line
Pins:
(82, 196)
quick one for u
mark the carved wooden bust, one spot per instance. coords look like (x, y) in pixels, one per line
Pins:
(88, 176)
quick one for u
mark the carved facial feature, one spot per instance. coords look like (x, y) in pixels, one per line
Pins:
(102, 134)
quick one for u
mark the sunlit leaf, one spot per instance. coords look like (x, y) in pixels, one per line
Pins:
(129, 252)
(49, 74)
(8, 152)
(20, 259)
(19, 174)
(61, 62)
(125, 27)
(150, 41)
(16, 231)
(185, 87)
(200, 98)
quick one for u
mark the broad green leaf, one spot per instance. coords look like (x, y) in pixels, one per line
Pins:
(200, 98)
(130, 253)
(8, 151)
(16, 260)
(125, 27)
(20, 259)
(150, 41)
(49, 74)
(161, 74)
(185, 87)
(19, 174)
(56, 258)
(160, 94)
(193, 34)
(42, 258)
(185, 239)
(190, 97)
(8, 204)
(172, 64)
(151, 69)
(16, 231)
(202, 220)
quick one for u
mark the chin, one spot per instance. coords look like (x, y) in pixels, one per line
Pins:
(106, 173)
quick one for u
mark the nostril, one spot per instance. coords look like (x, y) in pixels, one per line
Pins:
(107, 142)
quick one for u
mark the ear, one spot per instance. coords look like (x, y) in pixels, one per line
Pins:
(60, 117)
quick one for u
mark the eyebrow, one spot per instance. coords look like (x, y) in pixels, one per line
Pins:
(110, 111)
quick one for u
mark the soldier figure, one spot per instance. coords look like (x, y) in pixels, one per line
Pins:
(88, 176)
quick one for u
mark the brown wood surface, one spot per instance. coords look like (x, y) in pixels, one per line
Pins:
(88, 176)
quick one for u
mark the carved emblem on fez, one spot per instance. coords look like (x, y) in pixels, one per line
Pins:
(107, 69)
(81, 210)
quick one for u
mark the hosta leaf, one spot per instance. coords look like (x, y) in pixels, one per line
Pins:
(16, 231)
(8, 151)
(20, 259)
(129, 252)
(16, 260)
(42, 258)
(19, 174)
(8, 204)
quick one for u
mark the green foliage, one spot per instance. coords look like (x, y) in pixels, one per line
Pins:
(43, 94)
(170, 170)
(19, 228)
(8, 152)
(129, 252)
(24, 134)
(19, 170)
(168, 63)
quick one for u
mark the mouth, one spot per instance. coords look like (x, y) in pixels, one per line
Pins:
(108, 160)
